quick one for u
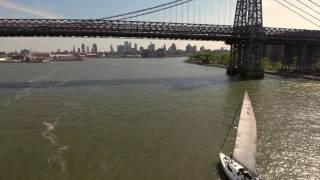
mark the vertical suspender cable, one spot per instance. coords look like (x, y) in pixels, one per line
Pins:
(228, 9)
(215, 12)
(188, 13)
(208, 11)
(194, 12)
(182, 9)
(198, 13)
(176, 14)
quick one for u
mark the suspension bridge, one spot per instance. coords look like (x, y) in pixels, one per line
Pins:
(238, 23)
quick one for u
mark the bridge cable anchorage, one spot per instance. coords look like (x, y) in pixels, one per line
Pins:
(141, 10)
(302, 16)
(314, 3)
(302, 10)
(155, 11)
(308, 6)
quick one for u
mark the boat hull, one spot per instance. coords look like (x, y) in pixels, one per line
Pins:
(234, 170)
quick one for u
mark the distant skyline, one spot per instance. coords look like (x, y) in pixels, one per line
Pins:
(274, 16)
(52, 44)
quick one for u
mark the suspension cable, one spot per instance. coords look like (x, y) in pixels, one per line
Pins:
(314, 3)
(292, 10)
(154, 11)
(142, 10)
(306, 5)
(302, 10)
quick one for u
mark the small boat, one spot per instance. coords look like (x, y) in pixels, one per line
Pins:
(242, 164)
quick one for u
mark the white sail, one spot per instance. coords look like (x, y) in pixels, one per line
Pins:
(245, 146)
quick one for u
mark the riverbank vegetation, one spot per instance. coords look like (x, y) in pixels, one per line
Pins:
(222, 58)
(269, 65)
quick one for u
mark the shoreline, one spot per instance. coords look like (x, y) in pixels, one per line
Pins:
(276, 73)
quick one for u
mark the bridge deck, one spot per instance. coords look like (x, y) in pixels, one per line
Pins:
(162, 30)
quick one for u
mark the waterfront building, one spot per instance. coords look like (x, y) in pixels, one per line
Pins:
(152, 47)
(24, 52)
(135, 47)
(161, 52)
(39, 56)
(172, 49)
(191, 49)
(25, 55)
(126, 47)
(2, 54)
(202, 49)
(87, 49)
(120, 49)
(111, 49)
(83, 46)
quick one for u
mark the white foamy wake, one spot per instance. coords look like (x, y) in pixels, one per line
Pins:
(56, 155)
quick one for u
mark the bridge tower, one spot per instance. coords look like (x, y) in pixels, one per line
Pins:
(247, 46)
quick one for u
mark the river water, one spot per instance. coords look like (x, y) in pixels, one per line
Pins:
(143, 119)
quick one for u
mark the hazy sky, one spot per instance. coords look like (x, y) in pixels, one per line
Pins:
(274, 15)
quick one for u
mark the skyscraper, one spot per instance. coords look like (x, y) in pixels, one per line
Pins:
(88, 49)
(135, 47)
(111, 49)
(83, 48)
(173, 49)
(127, 47)
(94, 49)
(191, 49)
(152, 47)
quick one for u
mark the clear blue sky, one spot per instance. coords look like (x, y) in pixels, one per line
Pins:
(274, 15)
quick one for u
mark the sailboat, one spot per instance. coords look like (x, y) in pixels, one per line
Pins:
(242, 164)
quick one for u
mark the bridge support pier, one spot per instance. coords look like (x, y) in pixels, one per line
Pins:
(246, 49)
(245, 60)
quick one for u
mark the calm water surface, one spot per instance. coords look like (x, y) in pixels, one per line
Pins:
(143, 119)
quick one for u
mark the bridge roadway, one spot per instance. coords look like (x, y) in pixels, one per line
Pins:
(137, 29)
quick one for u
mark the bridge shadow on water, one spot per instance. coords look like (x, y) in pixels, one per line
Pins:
(179, 83)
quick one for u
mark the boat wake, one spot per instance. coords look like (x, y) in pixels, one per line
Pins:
(27, 91)
(55, 159)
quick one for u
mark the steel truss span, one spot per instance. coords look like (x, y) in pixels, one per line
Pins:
(157, 30)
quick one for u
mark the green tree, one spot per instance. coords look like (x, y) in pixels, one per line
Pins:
(215, 57)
